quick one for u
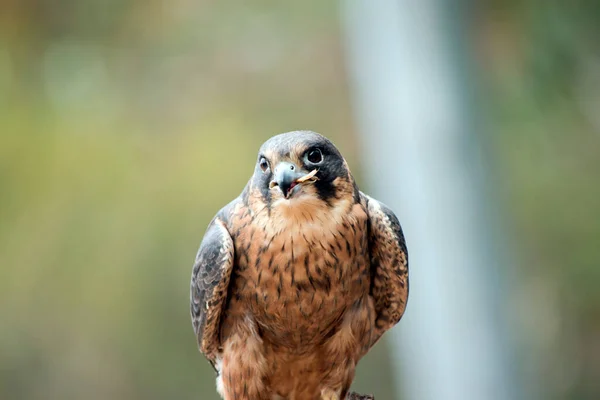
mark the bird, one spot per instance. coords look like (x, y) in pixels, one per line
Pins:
(298, 277)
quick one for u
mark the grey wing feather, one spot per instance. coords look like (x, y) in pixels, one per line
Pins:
(210, 281)
(389, 265)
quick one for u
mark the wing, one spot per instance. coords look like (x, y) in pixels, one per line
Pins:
(389, 265)
(210, 281)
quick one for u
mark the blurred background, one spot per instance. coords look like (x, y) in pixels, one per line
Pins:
(125, 125)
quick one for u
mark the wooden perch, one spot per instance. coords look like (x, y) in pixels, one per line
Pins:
(356, 396)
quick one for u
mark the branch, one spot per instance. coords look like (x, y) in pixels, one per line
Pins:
(356, 396)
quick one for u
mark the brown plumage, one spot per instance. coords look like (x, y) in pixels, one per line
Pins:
(298, 277)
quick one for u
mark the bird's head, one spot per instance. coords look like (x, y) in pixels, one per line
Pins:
(302, 167)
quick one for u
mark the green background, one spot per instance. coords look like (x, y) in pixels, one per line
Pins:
(125, 125)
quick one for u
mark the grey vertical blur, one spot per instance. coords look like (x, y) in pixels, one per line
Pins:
(410, 110)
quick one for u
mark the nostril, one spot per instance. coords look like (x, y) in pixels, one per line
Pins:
(272, 184)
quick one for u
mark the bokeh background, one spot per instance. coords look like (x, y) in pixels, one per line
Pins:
(125, 125)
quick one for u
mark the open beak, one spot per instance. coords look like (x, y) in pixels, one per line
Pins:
(287, 176)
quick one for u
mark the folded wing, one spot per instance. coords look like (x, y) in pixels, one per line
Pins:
(389, 265)
(210, 280)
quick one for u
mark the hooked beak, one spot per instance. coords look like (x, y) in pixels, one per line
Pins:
(286, 175)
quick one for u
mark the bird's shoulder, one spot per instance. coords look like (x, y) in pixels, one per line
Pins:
(382, 219)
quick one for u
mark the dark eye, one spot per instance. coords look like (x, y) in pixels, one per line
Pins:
(264, 164)
(314, 156)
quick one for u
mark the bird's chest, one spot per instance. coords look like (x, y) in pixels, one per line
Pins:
(298, 280)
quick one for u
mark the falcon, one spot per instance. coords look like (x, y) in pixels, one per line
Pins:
(298, 277)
